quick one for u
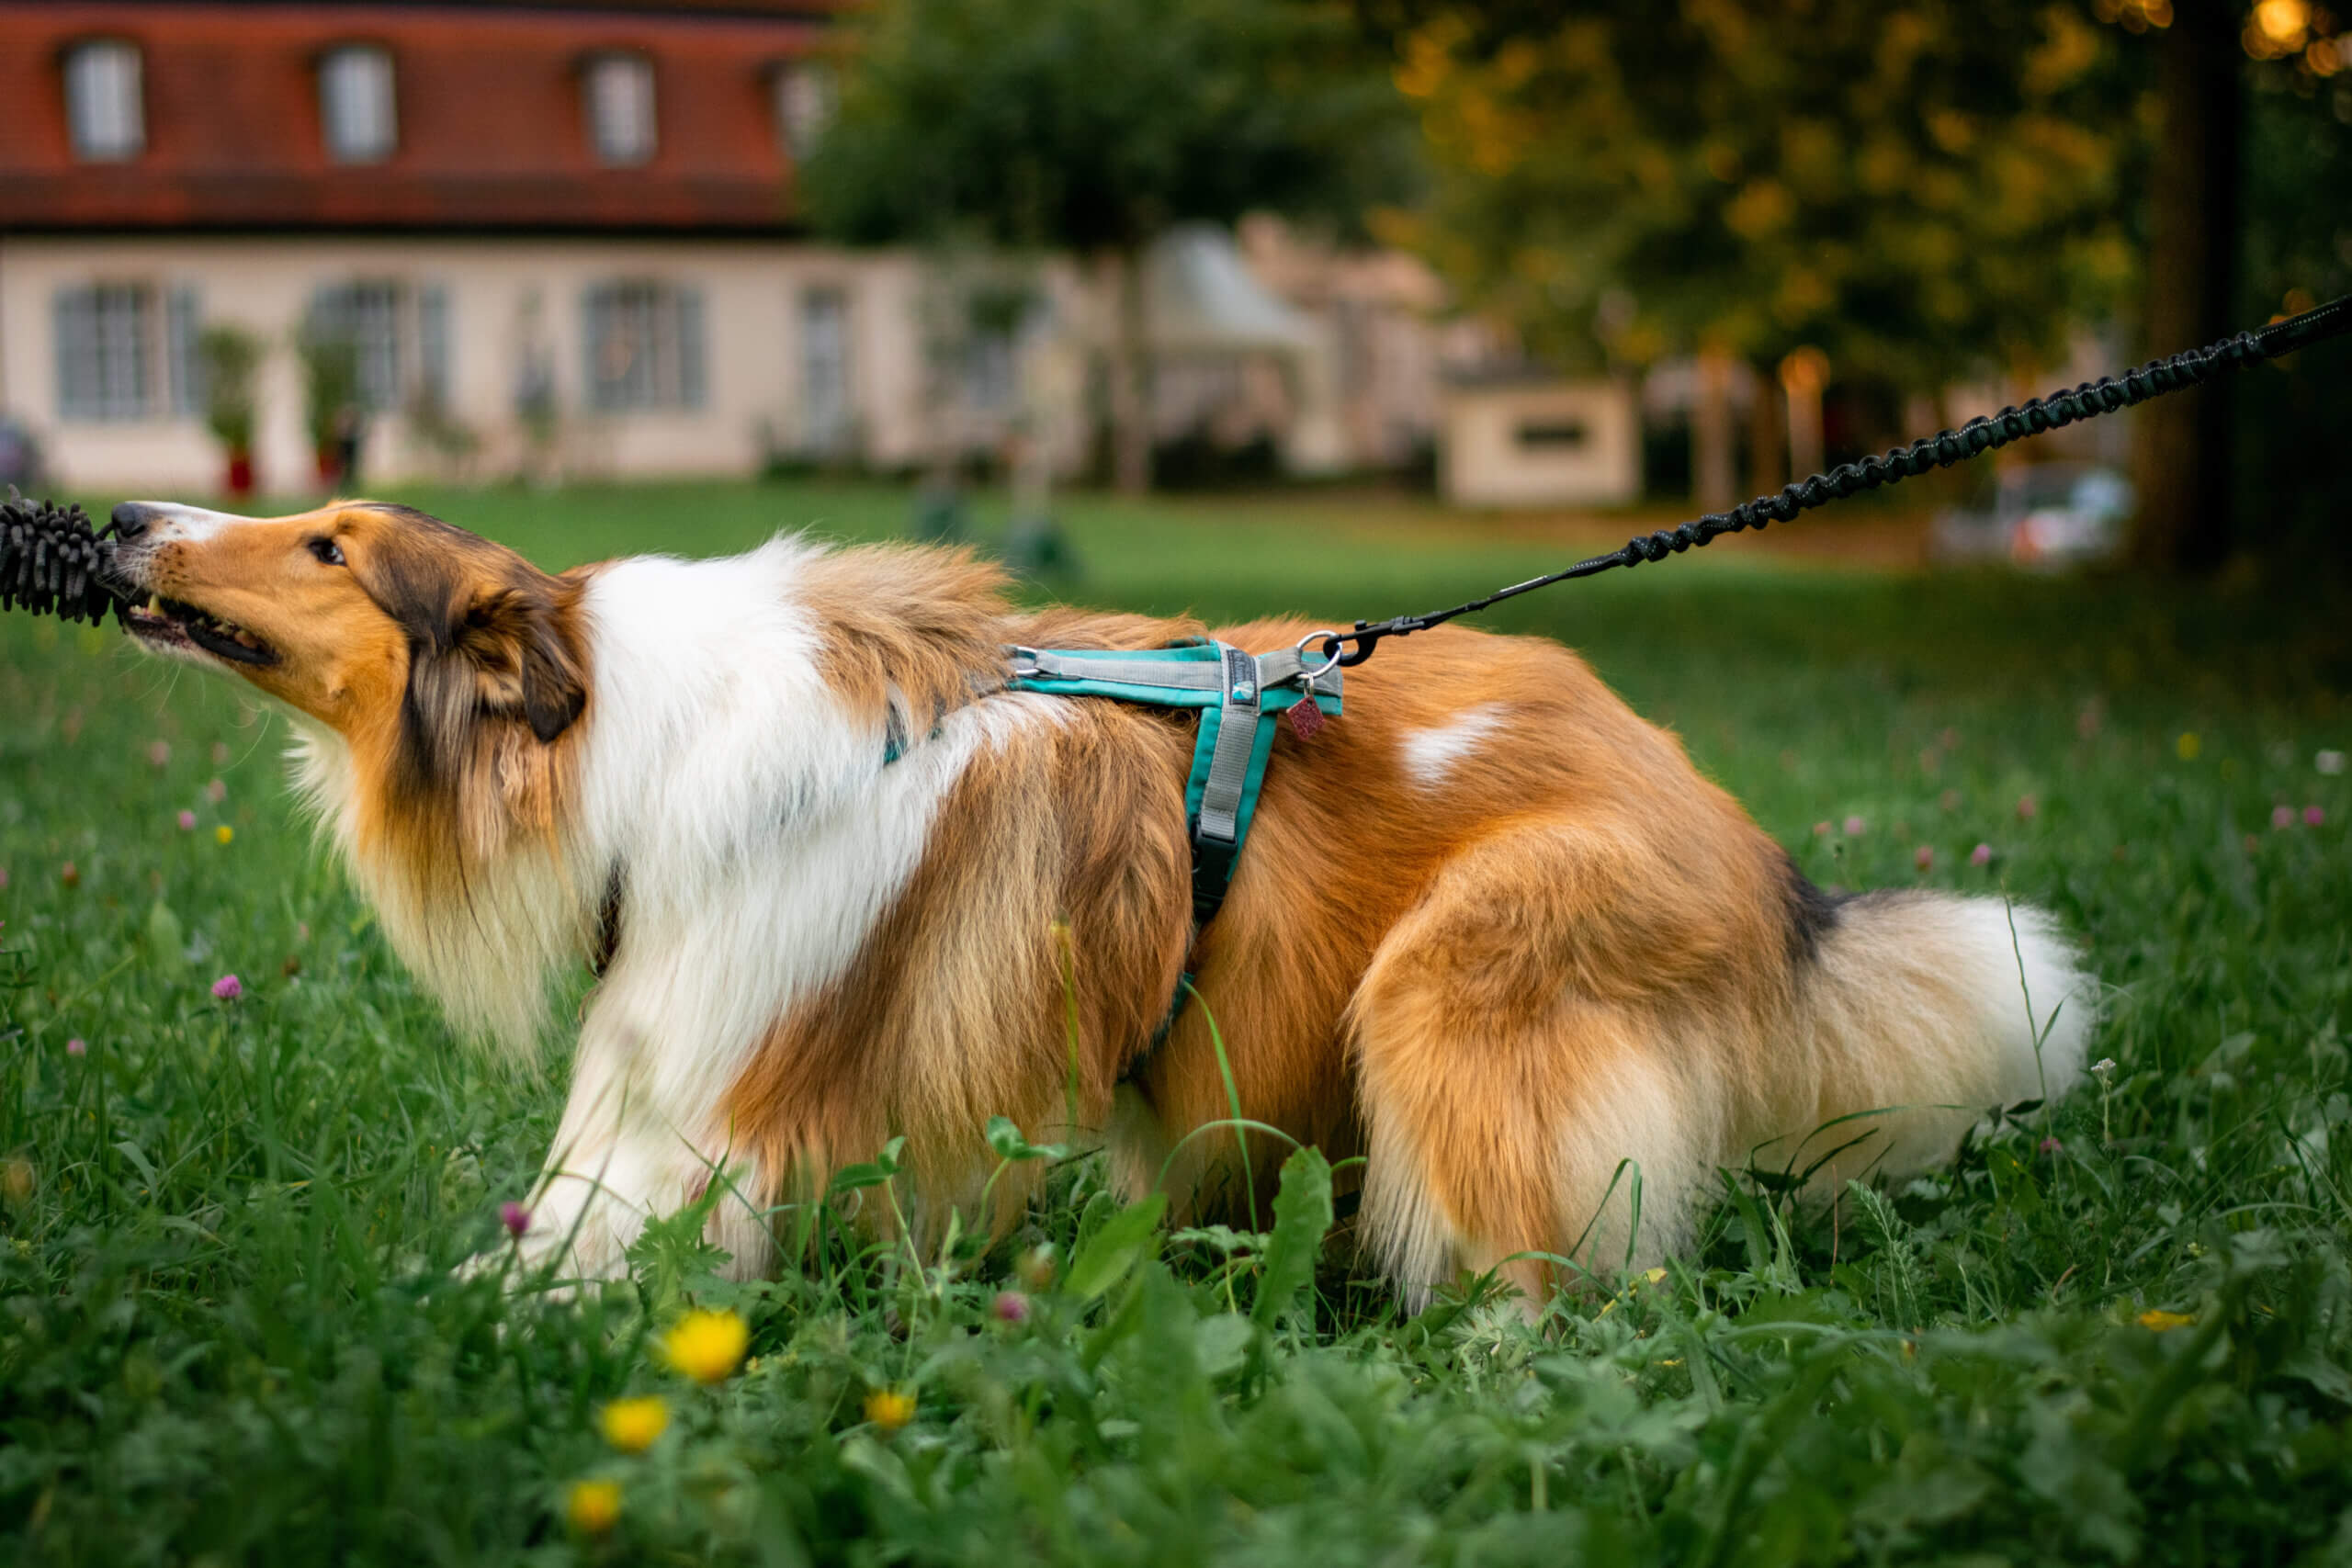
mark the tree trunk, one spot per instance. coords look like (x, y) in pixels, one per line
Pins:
(1764, 434)
(1802, 376)
(1713, 457)
(1130, 375)
(2182, 450)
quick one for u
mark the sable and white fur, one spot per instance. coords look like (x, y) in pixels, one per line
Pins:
(1491, 930)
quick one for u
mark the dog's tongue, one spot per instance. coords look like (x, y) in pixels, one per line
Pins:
(53, 563)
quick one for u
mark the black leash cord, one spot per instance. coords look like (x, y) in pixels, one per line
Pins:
(1979, 435)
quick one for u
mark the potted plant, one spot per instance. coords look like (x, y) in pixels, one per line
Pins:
(228, 358)
(330, 371)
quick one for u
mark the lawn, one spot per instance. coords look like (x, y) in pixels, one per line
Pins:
(2116, 1328)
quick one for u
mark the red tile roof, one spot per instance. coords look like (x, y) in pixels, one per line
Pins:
(491, 132)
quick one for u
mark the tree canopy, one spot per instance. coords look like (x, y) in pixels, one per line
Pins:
(1094, 125)
(1915, 188)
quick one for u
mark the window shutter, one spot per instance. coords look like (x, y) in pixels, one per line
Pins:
(433, 343)
(182, 368)
(689, 350)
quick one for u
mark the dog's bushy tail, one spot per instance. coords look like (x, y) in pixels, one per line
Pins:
(1923, 1010)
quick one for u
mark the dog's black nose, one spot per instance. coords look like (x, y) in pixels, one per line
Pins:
(130, 520)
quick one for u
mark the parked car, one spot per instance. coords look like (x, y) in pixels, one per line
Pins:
(20, 463)
(2046, 517)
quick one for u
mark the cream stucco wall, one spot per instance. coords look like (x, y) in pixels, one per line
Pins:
(505, 295)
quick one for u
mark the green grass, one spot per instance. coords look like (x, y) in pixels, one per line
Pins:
(232, 1332)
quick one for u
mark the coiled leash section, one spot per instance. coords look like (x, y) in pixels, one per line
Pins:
(53, 563)
(1979, 435)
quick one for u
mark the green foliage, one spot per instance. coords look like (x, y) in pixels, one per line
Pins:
(233, 1327)
(1923, 190)
(229, 356)
(1094, 125)
(1302, 1218)
(330, 382)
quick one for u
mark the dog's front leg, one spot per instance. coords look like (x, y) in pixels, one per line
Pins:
(619, 1160)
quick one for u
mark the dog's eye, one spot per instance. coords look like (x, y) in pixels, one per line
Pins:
(327, 550)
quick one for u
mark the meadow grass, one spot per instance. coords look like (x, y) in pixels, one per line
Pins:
(2118, 1327)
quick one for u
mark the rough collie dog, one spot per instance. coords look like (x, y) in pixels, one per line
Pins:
(1492, 930)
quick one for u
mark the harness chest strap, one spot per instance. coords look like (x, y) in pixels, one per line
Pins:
(1240, 696)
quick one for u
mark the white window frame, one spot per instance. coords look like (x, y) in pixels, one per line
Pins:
(125, 352)
(643, 342)
(828, 368)
(106, 111)
(359, 105)
(399, 336)
(621, 107)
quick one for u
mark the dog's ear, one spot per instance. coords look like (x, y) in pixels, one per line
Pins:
(525, 658)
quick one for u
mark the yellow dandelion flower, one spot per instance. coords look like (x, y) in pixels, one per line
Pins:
(2161, 1321)
(890, 1409)
(223, 833)
(707, 1345)
(592, 1506)
(631, 1425)
(2188, 745)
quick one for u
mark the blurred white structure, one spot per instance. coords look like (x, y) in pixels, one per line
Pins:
(654, 358)
(1531, 441)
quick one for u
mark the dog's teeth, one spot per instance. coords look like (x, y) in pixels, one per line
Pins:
(155, 603)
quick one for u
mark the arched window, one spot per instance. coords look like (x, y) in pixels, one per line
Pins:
(103, 105)
(355, 105)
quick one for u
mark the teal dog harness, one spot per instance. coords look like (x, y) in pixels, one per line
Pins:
(1240, 696)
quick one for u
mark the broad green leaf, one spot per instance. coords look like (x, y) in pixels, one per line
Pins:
(1301, 1215)
(166, 942)
(1010, 1142)
(1124, 1239)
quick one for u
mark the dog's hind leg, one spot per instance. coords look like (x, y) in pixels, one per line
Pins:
(1521, 1095)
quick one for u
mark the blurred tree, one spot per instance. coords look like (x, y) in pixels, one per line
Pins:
(2291, 414)
(2203, 53)
(1926, 191)
(1094, 126)
(1921, 191)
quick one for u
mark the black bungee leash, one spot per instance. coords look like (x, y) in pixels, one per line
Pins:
(1942, 450)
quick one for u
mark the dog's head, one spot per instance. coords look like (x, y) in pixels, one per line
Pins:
(362, 615)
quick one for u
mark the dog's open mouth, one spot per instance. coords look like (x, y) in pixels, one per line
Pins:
(169, 623)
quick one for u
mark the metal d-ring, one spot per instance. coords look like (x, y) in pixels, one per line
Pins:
(1331, 645)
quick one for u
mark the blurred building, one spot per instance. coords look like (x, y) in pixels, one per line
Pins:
(560, 239)
(544, 236)
(1521, 438)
